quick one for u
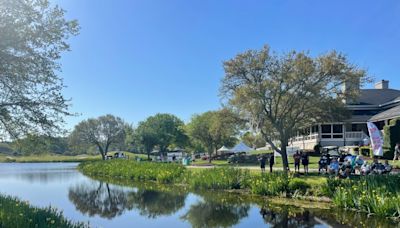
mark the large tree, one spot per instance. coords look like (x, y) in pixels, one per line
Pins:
(214, 129)
(281, 94)
(103, 132)
(162, 130)
(33, 34)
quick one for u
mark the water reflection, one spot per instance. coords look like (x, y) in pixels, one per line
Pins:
(109, 201)
(147, 204)
(41, 173)
(99, 199)
(287, 218)
(153, 203)
(214, 214)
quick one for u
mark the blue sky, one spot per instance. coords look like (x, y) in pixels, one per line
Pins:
(136, 58)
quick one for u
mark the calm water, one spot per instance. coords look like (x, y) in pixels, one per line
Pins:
(106, 205)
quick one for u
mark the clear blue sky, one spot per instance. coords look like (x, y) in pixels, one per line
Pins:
(136, 58)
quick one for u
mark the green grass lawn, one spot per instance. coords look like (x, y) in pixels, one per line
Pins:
(278, 163)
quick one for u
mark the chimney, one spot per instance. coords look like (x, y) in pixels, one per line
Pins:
(349, 89)
(382, 84)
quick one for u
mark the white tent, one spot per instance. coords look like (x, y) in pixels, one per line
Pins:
(241, 147)
(223, 149)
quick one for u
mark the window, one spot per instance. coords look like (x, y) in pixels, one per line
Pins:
(326, 129)
(337, 128)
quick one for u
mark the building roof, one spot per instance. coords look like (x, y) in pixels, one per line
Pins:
(377, 96)
(359, 118)
(388, 114)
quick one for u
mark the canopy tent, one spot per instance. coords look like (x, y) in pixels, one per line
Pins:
(240, 148)
(224, 149)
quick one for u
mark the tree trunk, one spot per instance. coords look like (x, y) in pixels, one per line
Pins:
(285, 162)
(148, 155)
(210, 153)
(103, 155)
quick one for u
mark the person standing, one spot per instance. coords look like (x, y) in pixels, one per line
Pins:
(305, 161)
(271, 162)
(296, 158)
(396, 152)
(262, 163)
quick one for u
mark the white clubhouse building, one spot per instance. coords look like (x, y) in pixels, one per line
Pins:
(378, 105)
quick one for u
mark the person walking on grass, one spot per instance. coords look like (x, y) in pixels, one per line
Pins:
(297, 158)
(271, 163)
(262, 163)
(305, 161)
(396, 152)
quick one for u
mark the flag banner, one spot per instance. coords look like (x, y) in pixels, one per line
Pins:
(376, 139)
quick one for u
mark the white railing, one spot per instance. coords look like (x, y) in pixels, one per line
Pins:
(305, 137)
(356, 135)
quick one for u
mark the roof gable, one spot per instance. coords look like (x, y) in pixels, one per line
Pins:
(377, 96)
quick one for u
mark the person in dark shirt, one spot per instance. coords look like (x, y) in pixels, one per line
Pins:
(262, 163)
(305, 161)
(297, 158)
(271, 163)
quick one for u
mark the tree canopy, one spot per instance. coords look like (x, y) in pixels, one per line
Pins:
(162, 130)
(281, 94)
(102, 132)
(214, 129)
(33, 36)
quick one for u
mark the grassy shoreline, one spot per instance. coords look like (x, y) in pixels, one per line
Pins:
(379, 201)
(18, 213)
(58, 158)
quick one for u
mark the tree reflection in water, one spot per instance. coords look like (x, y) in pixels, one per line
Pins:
(111, 201)
(215, 214)
(99, 199)
(153, 203)
(287, 218)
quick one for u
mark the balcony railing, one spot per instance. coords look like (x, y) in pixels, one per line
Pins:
(356, 135)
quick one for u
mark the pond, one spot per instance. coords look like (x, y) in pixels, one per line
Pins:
(146, 205)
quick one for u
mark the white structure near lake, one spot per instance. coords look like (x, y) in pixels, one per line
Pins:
(378, 105)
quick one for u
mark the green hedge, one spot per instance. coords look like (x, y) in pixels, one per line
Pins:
(391, 137)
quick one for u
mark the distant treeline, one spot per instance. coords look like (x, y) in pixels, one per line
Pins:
(42, 144)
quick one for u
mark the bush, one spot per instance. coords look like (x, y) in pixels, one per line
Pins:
(391, 137)
(298, 185)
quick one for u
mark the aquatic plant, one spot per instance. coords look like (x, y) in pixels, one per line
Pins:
(371, 194)
(271, 184)
(119, 168)
(17, 213)
(218, 178)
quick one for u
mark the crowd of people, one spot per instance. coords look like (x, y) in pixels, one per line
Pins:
(342, 166)
(347, 164)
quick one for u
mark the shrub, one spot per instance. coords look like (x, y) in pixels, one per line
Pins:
(391, 137)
